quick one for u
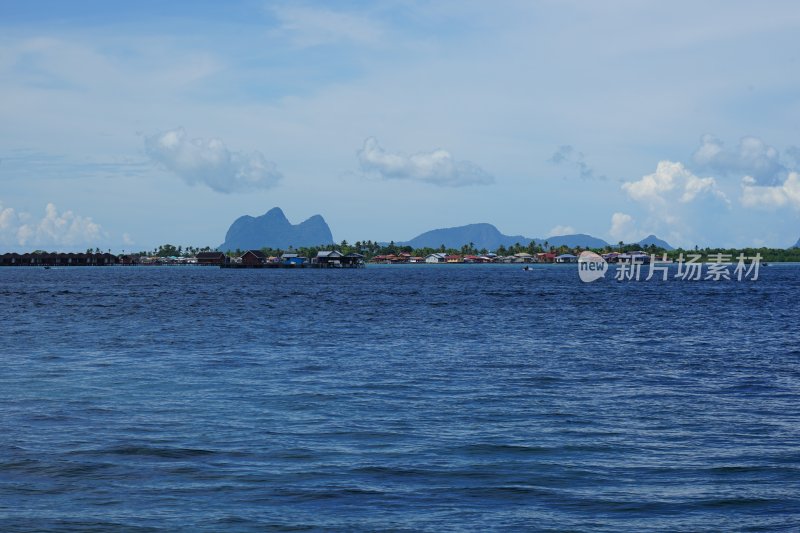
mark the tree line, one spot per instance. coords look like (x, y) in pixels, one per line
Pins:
(370, 249)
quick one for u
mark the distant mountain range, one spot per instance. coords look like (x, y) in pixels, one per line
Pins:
(797, 244)
(489, 237)
(273, 230)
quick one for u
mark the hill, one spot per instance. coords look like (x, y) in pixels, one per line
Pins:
(574, 240)
(273, 230)
(652, 239)
(489, 237)
(481, 235)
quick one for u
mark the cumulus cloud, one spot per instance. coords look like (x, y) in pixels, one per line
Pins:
(567, 155)
(561, 230)
(787, 194)
(670, 182)
(678, 202)
(752, 157)
(623, 228)
(53, 228)
(8, 219)
(209, 162)
(437, 167)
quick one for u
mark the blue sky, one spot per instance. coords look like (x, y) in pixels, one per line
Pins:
(127, 126)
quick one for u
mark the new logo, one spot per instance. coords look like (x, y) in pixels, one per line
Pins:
(591, 267)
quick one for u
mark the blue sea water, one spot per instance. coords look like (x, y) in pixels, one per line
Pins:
(418, 398)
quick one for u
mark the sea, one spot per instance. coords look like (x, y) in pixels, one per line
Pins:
(397, 398)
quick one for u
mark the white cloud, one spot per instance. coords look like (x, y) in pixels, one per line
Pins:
(670, 182)
(695, 186)
(308, 26)
(437, 167)
(54, 228)
(752, 157)
(8, 218)
(652, 186)
(623, 228)
(127, 239)
(771, 196)
(209, 162)
(561, 230)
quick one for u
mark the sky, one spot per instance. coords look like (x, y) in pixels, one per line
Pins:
(125, 125)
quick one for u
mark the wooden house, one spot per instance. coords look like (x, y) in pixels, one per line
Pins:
(253, 258)
(327, 258)
(211, 258)
(352, 260)
(9, 259)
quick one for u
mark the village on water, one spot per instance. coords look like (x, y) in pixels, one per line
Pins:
(258, 259)
(321, 259)
(360, 254)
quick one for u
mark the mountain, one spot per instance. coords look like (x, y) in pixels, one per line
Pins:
(481, 235)
(573, 241)
(797, 244)
(273, 230)
(652, 239)
(489, 237)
